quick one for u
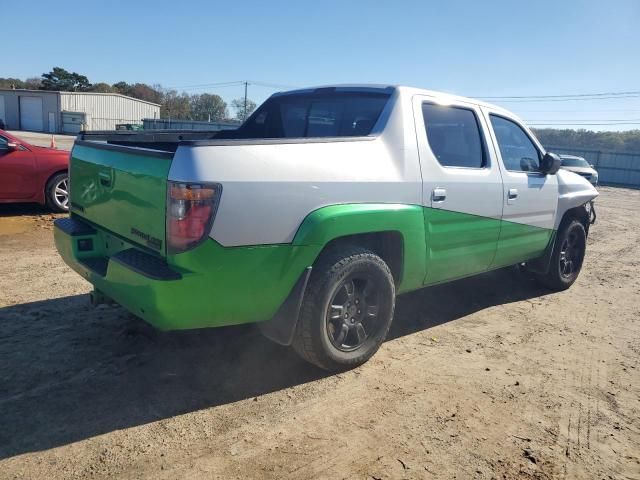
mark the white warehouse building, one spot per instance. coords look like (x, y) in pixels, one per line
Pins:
(70, 112)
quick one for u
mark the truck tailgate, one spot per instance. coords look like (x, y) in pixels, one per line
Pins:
(121, 189)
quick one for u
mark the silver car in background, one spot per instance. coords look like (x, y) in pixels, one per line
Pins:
(580, 166)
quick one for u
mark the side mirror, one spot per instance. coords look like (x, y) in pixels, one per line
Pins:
(550, 164)
(12, 146)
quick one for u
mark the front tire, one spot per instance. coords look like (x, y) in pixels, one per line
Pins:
(57, 193)
(568, 256)
(347, 309)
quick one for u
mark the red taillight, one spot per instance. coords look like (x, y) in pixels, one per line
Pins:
(190, 211)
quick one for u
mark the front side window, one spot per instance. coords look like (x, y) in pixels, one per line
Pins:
(3, 143)
(324, 114)
(454, 136)
(516, 148)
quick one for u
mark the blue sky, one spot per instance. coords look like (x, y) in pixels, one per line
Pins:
(474, 48)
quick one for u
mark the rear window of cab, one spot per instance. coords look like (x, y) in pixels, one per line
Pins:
(315, 115)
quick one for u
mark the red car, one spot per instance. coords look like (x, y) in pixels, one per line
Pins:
(33, 174)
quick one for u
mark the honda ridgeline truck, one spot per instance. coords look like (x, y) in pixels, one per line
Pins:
(314, 214)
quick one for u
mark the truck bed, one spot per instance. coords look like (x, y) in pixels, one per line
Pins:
(169, 140)
(164, 140)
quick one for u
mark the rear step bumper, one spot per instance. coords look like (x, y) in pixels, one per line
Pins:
(136, 260)
(131, 277)
(145, 264)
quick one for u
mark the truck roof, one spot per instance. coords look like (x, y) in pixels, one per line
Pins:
(403, 89)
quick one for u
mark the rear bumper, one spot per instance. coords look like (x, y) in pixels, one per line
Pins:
(133, 278)
(207, 287)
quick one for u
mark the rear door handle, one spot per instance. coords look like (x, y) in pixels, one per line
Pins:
(105, 179)
(438, 194)
(513, 194)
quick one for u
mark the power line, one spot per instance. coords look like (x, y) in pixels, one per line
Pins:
(548, 124)
(233, 84)
(569, 95)
(210, 88)
(271, 85)
(591, 110)
(204, 85)
(586, 120)
(530, 100)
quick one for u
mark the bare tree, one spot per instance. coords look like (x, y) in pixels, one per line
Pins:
(242, 111)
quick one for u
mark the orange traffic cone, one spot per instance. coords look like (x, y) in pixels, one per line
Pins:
(53, 142)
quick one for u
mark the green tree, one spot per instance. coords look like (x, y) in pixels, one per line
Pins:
(60, 79)
(141, 91)
(241, 112)
(175, 105)
(208, 107)
(121, 87)
(628, 141)
(102, 88)
(11, 83)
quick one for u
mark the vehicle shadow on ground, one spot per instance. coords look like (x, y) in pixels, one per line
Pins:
(71, 372)
(23, 209)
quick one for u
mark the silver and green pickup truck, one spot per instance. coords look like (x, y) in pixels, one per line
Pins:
(312, 216)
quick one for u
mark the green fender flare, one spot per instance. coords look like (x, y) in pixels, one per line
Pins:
(335, 221)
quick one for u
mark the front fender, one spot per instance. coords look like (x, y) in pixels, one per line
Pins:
(332, 222)
(573, 191)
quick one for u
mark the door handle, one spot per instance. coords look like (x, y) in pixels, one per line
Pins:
(105, 179)
(438, 194)
(513, 194)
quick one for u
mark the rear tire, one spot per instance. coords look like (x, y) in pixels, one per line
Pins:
(347, 309)
(568, 256)
(57, 193)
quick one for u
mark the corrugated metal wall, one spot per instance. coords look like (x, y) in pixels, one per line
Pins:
(167, 124)
(104, 111)
(614, 168)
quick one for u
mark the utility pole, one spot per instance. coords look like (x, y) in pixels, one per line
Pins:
(244, 117)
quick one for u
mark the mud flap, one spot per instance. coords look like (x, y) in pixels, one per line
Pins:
(282, 326)
(541, 264)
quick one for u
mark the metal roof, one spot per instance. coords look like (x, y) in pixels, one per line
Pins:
(60, 92)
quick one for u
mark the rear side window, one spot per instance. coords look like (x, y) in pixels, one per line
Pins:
(516, 148)
(331, 114)
(454, 136)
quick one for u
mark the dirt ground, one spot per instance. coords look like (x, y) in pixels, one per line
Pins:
(488, 377)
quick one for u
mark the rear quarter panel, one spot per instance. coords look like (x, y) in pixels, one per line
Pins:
(269, 188)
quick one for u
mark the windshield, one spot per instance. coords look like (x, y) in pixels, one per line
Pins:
(317, 114)
(574, 162)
